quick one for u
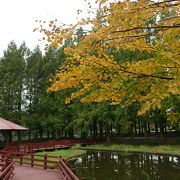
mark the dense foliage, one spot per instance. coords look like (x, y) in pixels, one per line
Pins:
(121, 77)
(24, 79)
(92, 68)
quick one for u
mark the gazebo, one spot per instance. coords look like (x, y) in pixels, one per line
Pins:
(8, 127)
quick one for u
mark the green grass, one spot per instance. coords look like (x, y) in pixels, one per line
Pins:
(64, 153)
(165, 149)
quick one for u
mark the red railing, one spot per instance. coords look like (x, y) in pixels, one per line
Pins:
(65, 171)
(79, 141)
(33, 147)
(21, 155)
(55, 144)
(7, 167)
(33, 160)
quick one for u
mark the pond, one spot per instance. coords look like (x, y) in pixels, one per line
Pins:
(125, 166)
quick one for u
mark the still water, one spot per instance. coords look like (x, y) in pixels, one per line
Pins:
(125, 166)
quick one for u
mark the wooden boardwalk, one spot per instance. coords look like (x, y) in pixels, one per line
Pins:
(24, 153)
(28, 173)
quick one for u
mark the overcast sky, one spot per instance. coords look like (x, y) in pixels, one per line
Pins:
(17, 18)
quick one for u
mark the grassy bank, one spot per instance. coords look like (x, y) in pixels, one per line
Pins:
(162, 149)
(64, 153)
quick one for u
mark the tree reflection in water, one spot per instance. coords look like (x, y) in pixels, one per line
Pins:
(126, 166)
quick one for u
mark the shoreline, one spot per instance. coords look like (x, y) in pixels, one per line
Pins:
(130, 151)
(76, 156)
(156, 150)
(68, 154)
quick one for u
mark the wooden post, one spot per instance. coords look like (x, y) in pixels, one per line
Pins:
(29, 148)
(21, 161)
(8, 137)
(29, 135)
(64, 161)
(33, 146)
(2, 154)
(32, 160)
(46, 145)
(74, 171)
(25, 146)
(67, 163)
(6, 163)
(19, 137)
(45, 161)
(18, 149)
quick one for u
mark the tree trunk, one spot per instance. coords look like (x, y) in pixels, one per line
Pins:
(70, 133)
(101, 129)
(131, 131)
(119, 131)
(65, 134)
(156, 127)
(91, 131)
(53, 134)
(142, 128)
(94, 129)
(145, 129)
(47, 134)
(165, 128)
(111, 130)
(108, 134)
(135, 127)
(83, 135)
(149, 130)
(161, 125)
(139, 126)
(41, 133)
(29, 135)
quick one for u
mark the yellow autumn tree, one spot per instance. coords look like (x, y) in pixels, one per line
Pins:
(95, 73)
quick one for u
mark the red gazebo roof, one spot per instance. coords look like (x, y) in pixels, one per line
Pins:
(7, 125)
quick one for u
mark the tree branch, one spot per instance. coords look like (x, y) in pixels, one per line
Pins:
(152, 27)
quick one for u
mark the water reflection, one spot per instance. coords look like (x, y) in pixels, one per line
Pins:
(125, 166)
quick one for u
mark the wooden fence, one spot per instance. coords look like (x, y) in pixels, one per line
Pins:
(33, 160)
(6, 168)
(65, 172)
(42, 161)
(53, 144)
(33, 147)
(72, 142)
(23, 154)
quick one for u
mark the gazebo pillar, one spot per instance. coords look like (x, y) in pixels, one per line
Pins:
(19, 137)
(8, 137)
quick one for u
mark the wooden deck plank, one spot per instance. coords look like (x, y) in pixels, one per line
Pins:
(28, 173)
